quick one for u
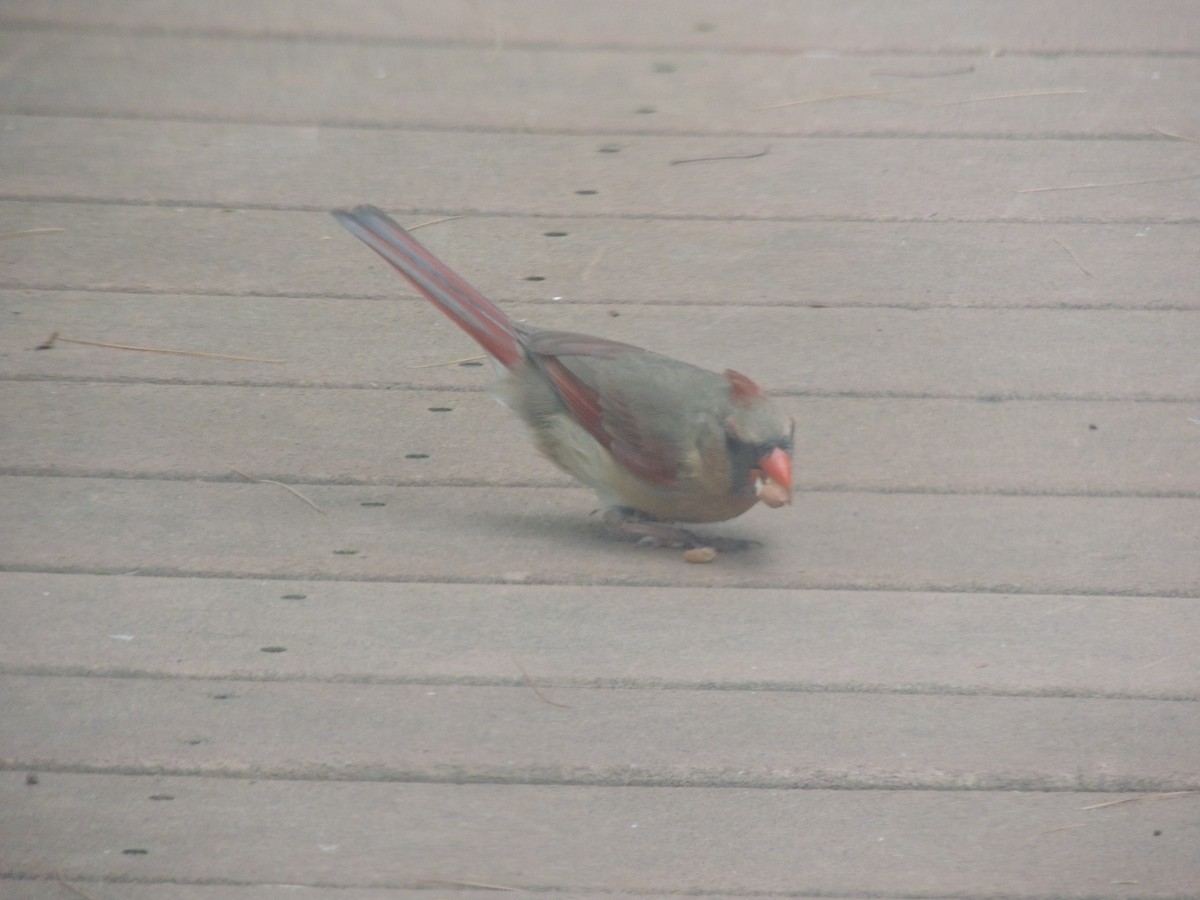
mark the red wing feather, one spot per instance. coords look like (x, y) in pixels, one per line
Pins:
(581, 399)
(646, 455)
(608, 419)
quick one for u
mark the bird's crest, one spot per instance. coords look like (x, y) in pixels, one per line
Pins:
(742, 390)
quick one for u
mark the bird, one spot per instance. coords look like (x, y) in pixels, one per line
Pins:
(660, 441)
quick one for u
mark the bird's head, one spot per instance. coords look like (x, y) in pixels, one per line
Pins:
(758, 438)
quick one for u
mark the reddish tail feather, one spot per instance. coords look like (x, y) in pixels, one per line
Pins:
(470, 310)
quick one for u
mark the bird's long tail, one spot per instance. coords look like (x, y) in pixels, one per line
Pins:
(471, 311)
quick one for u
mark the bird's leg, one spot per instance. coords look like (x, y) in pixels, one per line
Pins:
(656, 533)
(651, 531)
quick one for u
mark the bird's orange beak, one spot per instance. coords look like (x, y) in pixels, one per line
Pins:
(776, 468)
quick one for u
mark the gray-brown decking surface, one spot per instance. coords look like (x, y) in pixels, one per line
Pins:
(965, 255)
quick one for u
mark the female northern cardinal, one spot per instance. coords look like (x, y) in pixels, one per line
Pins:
(659, 440)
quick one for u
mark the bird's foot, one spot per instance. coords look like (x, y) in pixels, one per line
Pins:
(655, 533)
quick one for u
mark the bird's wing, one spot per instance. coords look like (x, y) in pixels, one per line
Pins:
(613, 390)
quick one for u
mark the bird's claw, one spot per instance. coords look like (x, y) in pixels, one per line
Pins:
(653, 533)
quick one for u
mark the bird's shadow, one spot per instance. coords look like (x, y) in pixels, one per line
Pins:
(587, 531)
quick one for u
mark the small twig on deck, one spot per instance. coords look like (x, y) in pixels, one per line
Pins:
(933, 73)
(587, 270)
(55, 337)
(1093, 184)
(497, 35)
(78, 892)
(453, 362)
(484, 885)
(1071, 253)
(1176, 135)
(1064, 828)
(765, 150)
(879, 92)
(29, 232)
(1166, 796)
(533, 687)
(1010, 96)
(286, 487)
(433, 222)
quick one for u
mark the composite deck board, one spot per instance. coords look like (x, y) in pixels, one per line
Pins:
(748, 639)
(850, 539)
(867, 179)
(763, 26)
(52, 888)
(588, 636)
(616, 261)
(347, 83)
(368, 436)
(1124, 355)
(550, 838)
(499, 734)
